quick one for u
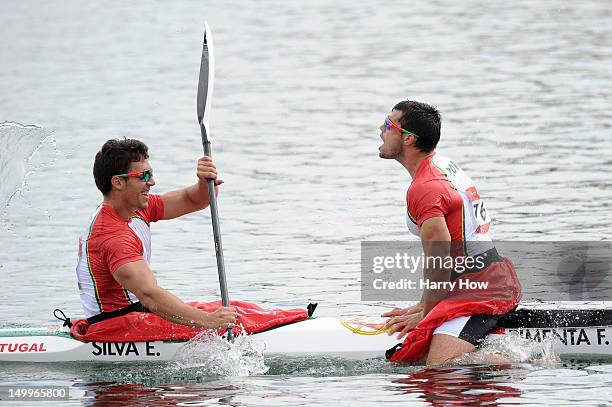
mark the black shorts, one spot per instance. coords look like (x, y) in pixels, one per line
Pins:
(472, 329)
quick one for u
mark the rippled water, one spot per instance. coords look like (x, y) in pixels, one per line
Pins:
(300, 90)
(328, 383)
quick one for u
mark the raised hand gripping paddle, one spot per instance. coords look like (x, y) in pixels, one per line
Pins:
(205, 89)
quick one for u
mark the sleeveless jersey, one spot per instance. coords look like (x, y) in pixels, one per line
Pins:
(107, 244)
(441, 189)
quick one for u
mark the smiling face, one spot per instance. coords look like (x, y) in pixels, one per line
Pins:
(392, 138)
(133, 190)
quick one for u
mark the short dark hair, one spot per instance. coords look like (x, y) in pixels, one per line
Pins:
(423, 120)
(115, 157)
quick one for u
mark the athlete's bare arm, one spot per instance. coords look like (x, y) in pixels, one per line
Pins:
(195, 197)
(138, 278)
(436, 240)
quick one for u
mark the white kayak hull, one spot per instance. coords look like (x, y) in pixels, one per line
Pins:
(314, 337)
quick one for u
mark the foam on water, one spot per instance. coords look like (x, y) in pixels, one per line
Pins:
(213, 355)
(514, 349)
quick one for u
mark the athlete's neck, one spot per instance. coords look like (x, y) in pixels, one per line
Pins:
(124, 212)
(411, 159)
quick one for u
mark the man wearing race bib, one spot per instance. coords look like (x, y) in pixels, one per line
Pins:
(114, 251)
(445, 209)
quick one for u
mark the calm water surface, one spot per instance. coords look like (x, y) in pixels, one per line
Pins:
(300, 89)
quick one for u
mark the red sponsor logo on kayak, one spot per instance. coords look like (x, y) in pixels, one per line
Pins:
(22, 347)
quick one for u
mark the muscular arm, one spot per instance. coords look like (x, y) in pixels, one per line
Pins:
(436, 242)
(186, 200)
(435, 239)
(138, 278)
(193, 198)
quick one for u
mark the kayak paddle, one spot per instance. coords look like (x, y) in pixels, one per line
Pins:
(205, 88)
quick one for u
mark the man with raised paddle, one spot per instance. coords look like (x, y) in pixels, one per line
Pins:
(446, 211)
(118, 290)
(114, 252)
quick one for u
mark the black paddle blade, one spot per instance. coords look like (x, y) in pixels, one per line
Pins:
(205, 73)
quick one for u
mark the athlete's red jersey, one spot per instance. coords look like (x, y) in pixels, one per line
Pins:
(107, 244)
(441, 189)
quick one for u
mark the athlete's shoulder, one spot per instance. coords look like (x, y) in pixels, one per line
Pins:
(429, 193)
(418, 189)
(106, 230)
(105, 220)
(444, 164)
(154, 210)
(430, 177)
(155, 199)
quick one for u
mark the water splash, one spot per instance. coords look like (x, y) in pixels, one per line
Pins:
(212, 355)
(18, 147)
(512, 348)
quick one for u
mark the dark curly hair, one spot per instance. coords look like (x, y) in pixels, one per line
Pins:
(423, 120)
(115, 157)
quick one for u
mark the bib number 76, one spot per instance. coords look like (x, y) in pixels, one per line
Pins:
(480, 211)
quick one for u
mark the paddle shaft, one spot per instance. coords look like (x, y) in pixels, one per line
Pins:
(205, 86)
(214, 212)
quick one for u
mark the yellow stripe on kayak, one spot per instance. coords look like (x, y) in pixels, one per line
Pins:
(357, 328)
